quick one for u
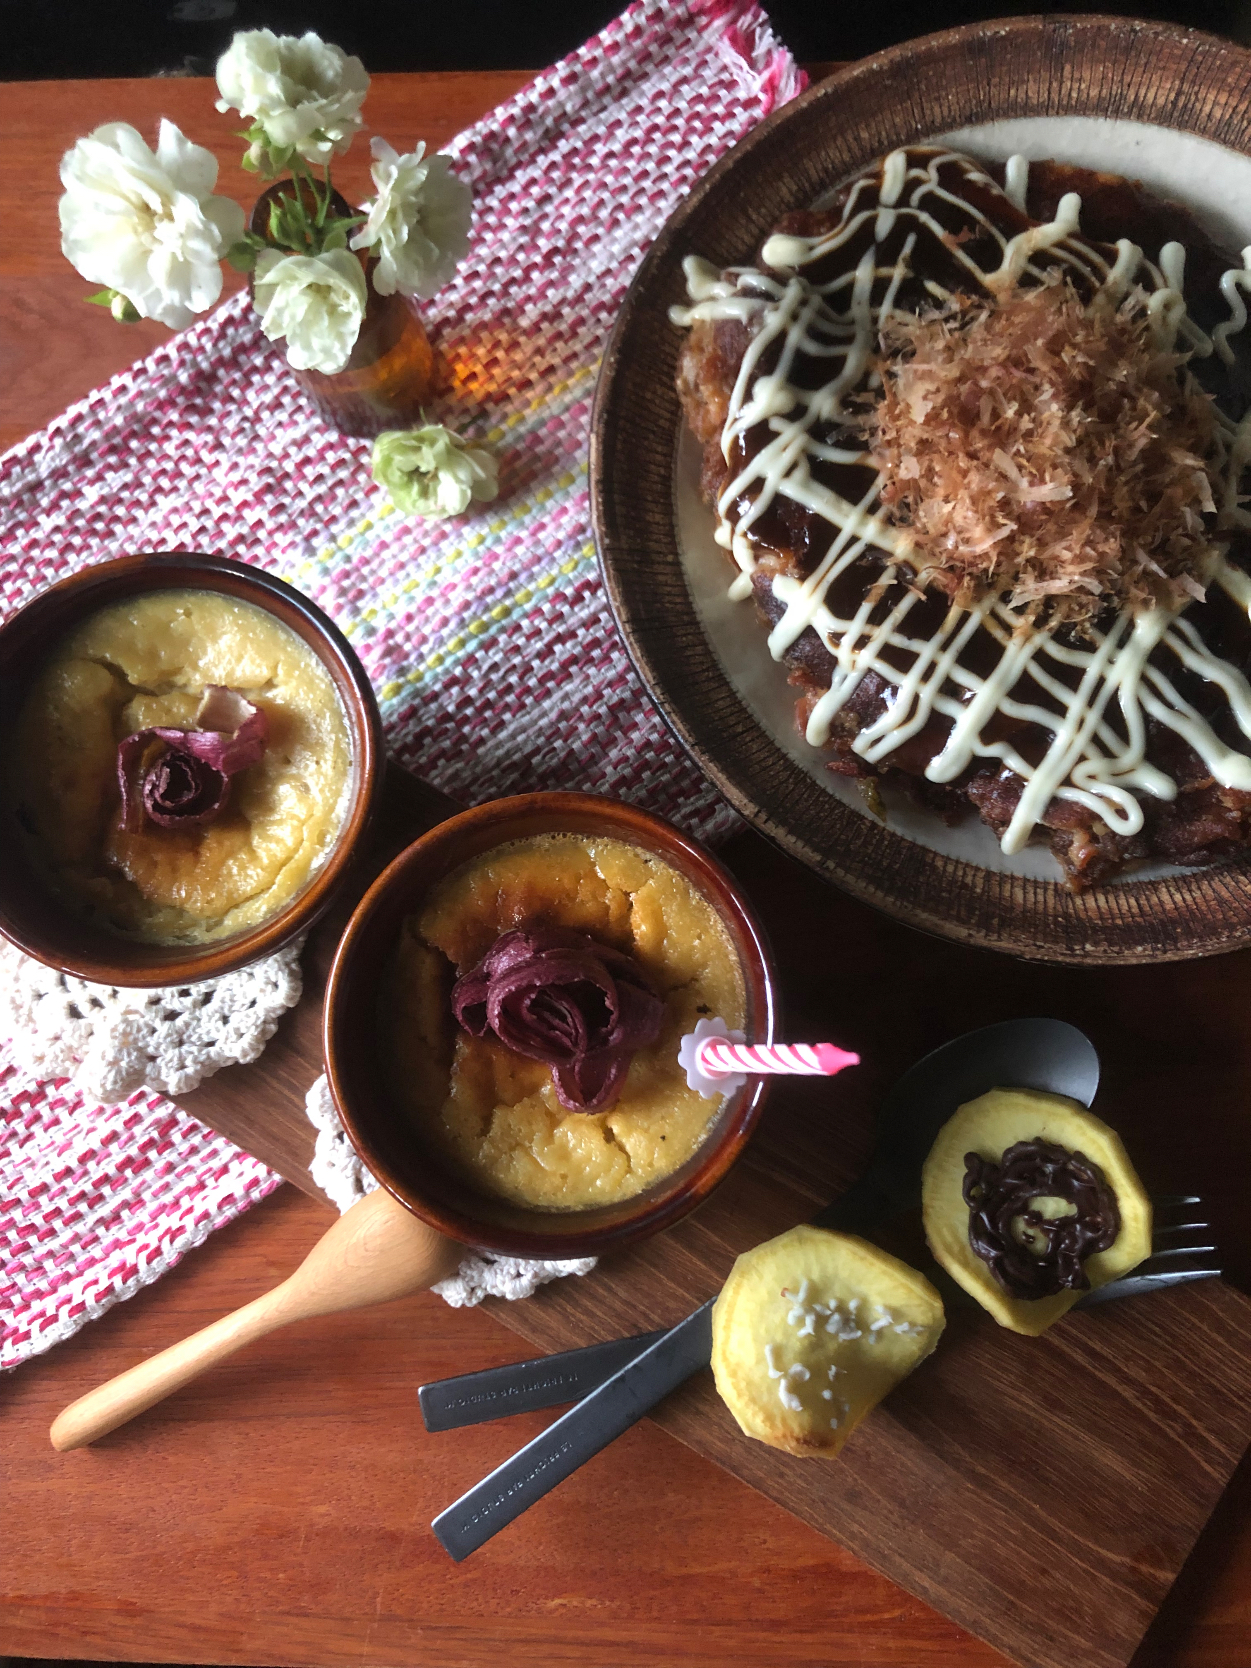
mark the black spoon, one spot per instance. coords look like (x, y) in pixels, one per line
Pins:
(1045, 1054)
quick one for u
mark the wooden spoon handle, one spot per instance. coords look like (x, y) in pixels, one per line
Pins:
(375, 1252)
(101, 1410)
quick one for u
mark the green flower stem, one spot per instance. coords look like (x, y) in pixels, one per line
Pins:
(306, 227)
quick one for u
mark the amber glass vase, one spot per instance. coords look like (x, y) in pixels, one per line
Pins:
(392, 372)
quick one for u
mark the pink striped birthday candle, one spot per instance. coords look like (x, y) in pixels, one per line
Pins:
(717, 1061)
(717, 1057)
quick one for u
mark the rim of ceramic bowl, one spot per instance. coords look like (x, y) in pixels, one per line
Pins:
(377, 1129)
(30, 915)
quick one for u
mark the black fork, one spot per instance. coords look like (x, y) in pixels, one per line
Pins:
(1176, 1252)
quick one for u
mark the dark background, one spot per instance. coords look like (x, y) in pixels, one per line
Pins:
(41, 38)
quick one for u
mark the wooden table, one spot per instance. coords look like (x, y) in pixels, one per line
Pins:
(277, 1510)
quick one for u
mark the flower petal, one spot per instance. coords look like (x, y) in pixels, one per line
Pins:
(433, 472)
(313, 302)
(145, 224)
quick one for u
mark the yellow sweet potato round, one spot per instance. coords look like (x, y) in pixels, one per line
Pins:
(811, 1330)
(989, 1126)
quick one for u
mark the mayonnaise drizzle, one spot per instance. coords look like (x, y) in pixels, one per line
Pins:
(1089, 760)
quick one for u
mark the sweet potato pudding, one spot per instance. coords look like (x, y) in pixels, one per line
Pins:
(510, 1123)
(975, 444)
(180, 767)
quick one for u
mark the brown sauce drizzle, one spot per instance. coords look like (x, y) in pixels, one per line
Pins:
(964, 693)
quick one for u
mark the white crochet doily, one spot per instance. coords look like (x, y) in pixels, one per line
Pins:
(111, 1042)
(342, 1177)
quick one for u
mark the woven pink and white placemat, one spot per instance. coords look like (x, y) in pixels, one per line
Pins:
(488, 638)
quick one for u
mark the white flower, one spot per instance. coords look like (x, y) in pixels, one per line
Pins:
(305, 93)
(145, 224)
(316, 302)
(418, 224)
(432, 471)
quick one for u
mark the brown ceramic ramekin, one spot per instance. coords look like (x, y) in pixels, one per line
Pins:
(385, 1137)
(30, 915)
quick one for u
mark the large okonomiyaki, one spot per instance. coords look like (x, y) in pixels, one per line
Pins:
(977, 458)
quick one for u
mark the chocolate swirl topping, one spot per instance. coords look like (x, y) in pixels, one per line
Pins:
(560, 997)
(999, 1194)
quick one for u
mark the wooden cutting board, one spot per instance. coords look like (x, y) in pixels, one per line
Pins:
(1044, 1493)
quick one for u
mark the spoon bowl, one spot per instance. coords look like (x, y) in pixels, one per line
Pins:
(1045, 1054)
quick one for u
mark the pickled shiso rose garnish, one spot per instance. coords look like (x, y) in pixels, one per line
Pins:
(181, 778)
(581, 1008)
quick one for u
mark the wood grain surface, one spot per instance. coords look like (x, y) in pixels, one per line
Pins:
(1118, 1430)
(1092, 67)
(276, 1511)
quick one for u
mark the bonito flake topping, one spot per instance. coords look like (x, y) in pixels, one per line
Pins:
(1046, 451)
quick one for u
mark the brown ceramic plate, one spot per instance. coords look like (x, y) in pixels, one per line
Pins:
(1153, 101)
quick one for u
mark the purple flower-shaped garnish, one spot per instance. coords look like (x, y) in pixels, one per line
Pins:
(580, 1007)
(181, 778)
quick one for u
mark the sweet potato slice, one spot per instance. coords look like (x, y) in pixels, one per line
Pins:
(989, 1126)
(811, 1330)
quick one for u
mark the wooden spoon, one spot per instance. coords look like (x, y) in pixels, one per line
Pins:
(376, 1251)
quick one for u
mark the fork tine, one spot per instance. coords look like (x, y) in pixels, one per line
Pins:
(1168, 1236)
(1130, 1285)
(1173, 1239)
(1161, 1268)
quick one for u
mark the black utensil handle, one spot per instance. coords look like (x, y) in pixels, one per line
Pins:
(567, 1444)
(523, 1386)
(874, 1198)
